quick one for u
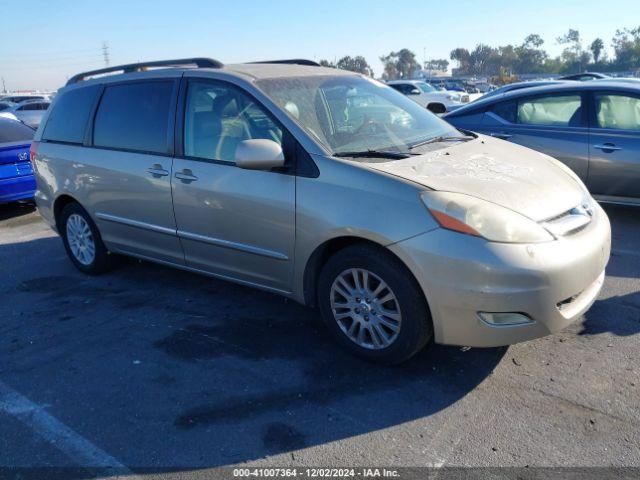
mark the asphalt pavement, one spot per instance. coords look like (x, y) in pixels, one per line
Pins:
(149, 369)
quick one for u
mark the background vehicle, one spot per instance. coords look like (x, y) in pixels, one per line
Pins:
(22, 98)
(16, 175)
(426, 95)
(327, 187)
(4, 105)
(585, 76)
(519, 85)
(29, 112)
(593, 127)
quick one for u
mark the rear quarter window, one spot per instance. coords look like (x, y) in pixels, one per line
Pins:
(68, 119)
(507, 111)
(134, 116)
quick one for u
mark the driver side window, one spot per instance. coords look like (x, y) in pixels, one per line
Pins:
(218, 117)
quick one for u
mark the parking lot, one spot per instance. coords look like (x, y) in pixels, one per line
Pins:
(149, 368)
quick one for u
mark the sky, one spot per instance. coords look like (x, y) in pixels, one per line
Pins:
(47, 41)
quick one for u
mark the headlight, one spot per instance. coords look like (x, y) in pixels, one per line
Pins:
(472, 216)
(455, 98)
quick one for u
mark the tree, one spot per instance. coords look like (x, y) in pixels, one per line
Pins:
(400, 64)
(626, 45)
(480, 58)
(530, 57)
(596, 47)
(439, 65)
(572, 55)
(462, 56)
(326, 63)
(355, 64)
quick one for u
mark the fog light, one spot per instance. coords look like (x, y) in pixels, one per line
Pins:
(506, 318)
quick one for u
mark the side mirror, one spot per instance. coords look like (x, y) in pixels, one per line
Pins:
(414, 91)
(259, 154)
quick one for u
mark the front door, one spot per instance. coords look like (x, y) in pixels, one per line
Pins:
(554, 124)
(232, 222)
(614, 148)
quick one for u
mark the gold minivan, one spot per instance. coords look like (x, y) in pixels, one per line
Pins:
(324, 186)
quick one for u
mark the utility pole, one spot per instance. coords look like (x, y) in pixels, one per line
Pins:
(105, 53)
(4, 87)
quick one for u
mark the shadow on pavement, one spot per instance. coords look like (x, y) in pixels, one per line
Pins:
(170, 371)
(16, 209)
(619, 315)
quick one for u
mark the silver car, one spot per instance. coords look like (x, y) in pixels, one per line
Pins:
(327, 187)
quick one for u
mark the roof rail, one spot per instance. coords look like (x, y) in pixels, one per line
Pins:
(293, 61)
(137, 67)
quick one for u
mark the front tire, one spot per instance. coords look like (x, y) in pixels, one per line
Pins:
(82, 241)
(372, 305)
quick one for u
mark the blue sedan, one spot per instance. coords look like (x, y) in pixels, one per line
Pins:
(16, 175)
(592, 127)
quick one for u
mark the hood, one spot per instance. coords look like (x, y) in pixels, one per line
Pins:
(501, 172)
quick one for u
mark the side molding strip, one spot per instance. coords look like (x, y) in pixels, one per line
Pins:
(135, 223)
(232, 245)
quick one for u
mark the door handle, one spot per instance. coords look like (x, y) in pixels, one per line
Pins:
(186, 176)
(607, 147)
(157, 171)
(501, 135)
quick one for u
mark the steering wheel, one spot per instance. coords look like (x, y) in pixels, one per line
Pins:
(369, 125)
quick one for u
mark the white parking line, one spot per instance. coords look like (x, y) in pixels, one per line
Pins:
(53, 431)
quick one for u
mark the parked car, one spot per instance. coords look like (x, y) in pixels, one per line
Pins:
(518, 86)
(22, 98)
(6, 105)
(16, 176)
(29, 112)
(484, 87)
(399, 227)
(593, 127)
(426, 95)
(585, 76)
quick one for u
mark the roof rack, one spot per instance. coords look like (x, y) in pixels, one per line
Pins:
(138, 67)
(293, 61)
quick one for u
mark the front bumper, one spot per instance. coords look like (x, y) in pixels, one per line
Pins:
(553, 283)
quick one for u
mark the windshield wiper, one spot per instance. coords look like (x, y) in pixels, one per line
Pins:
(443, 138)
(374, 154)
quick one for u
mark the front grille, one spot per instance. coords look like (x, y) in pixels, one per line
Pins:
(569, 222)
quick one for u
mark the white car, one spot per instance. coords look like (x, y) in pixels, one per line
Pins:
(423, 93)
(29, 112)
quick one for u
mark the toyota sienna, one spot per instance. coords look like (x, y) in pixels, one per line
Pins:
(324, 186)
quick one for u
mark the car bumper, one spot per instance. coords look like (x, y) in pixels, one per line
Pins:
(17, 188)
(553, 283)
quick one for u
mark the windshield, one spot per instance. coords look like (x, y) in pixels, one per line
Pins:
(425, 87)
(355, 114)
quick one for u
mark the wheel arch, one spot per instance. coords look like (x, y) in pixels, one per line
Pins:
(59, 204)
(326, 250)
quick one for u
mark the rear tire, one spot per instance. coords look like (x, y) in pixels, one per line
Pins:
(364, 288)
(82, 241)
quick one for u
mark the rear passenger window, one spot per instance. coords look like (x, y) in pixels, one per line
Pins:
(134, 116)
(68, 119)
(557, 110)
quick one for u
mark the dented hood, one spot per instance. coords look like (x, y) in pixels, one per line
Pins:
(504, 173)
